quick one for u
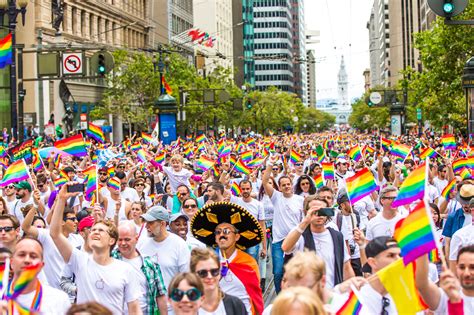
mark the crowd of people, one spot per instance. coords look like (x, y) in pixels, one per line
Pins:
(192, 228)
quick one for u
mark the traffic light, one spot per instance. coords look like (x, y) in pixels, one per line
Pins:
(249, 104)
(447, 8)
(101, 65)
(369, 102)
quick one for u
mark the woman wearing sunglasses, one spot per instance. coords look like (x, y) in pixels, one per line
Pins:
(205, 264)
(185, 294)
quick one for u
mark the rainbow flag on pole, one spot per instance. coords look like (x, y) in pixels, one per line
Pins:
(355, 154)
(90, 183)
(414, 234)
(204, 163)
(235, 189)
(351, 307)
(16, 172)
(95, 132)
(318, 181)
(73, 145)
(459, 164)
(242, 168)
(328, 170)
(36, 162)
(147, 138)
(413, 187)
(449, 188)
(294, 156)
(428, 152)
(448, 142)
(6, 51)
(385, 143)
(401, 151)
(360, 185)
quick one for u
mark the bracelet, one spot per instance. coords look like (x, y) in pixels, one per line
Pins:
(298, 229)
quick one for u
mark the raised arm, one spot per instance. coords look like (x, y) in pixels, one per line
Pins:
(428, 290)
(27, 227)
(265, 180)
(61, 242)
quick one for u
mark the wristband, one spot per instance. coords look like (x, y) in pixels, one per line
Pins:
(298, 229)
(362, 246)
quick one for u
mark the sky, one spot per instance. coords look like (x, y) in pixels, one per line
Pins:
(343, 31)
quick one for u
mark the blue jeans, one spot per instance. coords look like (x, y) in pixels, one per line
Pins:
(254, 252)
(277, 259)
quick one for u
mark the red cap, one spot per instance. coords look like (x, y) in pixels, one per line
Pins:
(87, 222)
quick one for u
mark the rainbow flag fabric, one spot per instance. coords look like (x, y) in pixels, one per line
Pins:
(95, 132)
(385, 143)
(414, 234)
(318, 181)
(428, 153)
(6, 51)
(204, 163)
(355, 154)
(235, 189)
(141, 156)
(114, 184)
(401, 151)
(36, 163)
(26, 276)
(413, 187)
(246, 156)
(165, 85)
(459, 164)
(90, 182)
(465, 173)
(16, 172)
(201, 138)
(449, 188)
(328, 170)
(360, 185)
(242, 168)
(73, 145)
(351, 307)
(295, 156)
(147, 138)
(448, 142)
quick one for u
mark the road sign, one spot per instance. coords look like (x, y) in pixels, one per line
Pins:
(72, 63)
(375, 97)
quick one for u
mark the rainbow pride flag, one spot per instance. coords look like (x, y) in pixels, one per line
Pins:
(201, 138)
(257, 162)
(428, 153)
(351, 307)
(90, 182)
(449, 188)
(360, 185)
(246, 156)
(433, 256)
(355, 154)
(328, 170)
(414, 234)
(136, 147)
(295, 156)
(204, 163)
(235, 189)
(73, 145)
(385, 143)
(3, 152)
(413, 187)
(226, 151)
(465, 173)
(242, 168)
(36, 162)
(6, 51)
(448, 142)
(165, 85)
(20, 282)
(147, 138)
(95, 132)
(401, 151)
(188, 152)
(318, 181)
(16, 172)
(141, 156)
(459, 164)
(114, 183)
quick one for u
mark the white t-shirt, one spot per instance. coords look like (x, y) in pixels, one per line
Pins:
(54, 261)
(324, 249)
(177, 178)
(137, 263)
(130, 194)
(442, 309)
(364, 206)
(17, 207)
(172, 254)
(193, 242)
(219, 311)
(440, 184)
(110, 212)
(288, 213)
(255, 207)
(113, 285)
(379, 226)
(462, 237)
(232, 285)
(53, 302)
(433, 193)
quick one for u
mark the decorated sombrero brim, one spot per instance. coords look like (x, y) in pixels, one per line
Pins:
(205, 221)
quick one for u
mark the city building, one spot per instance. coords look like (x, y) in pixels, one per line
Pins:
(88, 25)
(243, 42)
(379, 43)
(215, 18)
(299, 49)
(273, 43)
(366, 75)
(311, 78)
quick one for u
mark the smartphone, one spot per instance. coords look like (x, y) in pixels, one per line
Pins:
(75, 188)
(326, 212)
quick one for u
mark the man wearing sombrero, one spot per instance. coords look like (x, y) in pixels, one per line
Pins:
(232, 229)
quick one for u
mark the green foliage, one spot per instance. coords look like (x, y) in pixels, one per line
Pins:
(364, 117)
(444, 51)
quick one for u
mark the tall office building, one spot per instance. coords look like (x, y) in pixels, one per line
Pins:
(379, 42)
(273, 44)
(243, 42)
(299, 49)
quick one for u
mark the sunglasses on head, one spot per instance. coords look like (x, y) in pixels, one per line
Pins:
(205, 273)
(192, 294)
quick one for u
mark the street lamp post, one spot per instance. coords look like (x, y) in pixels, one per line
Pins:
(468, 85)
(9, 8)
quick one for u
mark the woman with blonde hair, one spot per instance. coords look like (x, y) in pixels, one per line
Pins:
(205, 263)
(297, 301)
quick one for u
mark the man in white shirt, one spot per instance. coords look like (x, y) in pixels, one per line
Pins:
(99, 277)
(24, 198)
(179, 225)
(461, 238)
(168, 249)
(126, 192)
(383, 224)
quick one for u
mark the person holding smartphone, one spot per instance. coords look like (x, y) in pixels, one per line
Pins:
(312, 234)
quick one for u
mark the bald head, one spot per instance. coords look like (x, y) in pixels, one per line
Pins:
(127, 240)
(127, 228)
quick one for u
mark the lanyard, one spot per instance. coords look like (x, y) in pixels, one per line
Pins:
(35, 304)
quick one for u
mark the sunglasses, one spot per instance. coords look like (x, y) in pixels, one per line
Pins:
(10, 186)
(298, 164)
(140, 184)
(71, 219)
(103, 174)
(189, 206)
(275, 169)
(205, 273)
(6, 229)
(389, 198)
(225, 231)
(304, 184)
(192, 294)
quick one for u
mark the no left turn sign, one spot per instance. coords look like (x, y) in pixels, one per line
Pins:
(72, 63)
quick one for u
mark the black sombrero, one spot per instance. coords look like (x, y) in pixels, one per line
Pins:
(210, 216)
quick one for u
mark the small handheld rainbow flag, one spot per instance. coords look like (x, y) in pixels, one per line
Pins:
(201, 138)
(401, 151)
(6, 51)
(136, 147)
(385, 143)
(448, 142)
(226, 151)
(73, 145)
(465, 173)
(318, 181)
(360, 185)
(351, 307)
(141, 156)
(295, 156)
(147, 138)
(428, 152)
(433, 256)
(235, 189)
(355, 154)
(328, 170)
(16, 172)
(36, 163)
(246, 156)
(3, 152)
(414, 234)
(413, 187)
(90, 182)
(257, 162)
(114, 183)
(242, 168)
(57, 160)
(95, 132)
(204, 163)
(459, 164)
(449, 188)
